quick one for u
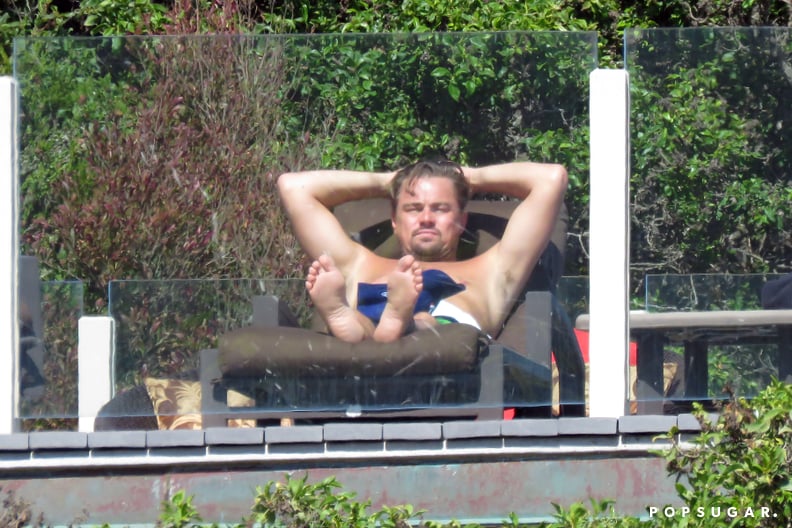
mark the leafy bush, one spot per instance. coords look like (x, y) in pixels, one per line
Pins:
(742, 461)
(419, 16)
(178, 512)
(480, 98)
(710, 174)
(171, 176)
(65, 89)
(17, 513)
(185, 189)
(117, 18)
(601, 514)
(300, 504)
(21, 18)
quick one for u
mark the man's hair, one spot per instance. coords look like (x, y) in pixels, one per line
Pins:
(407, 176)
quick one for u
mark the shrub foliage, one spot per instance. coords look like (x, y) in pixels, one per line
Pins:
(741, 462)
(169, 171)
(186, 189)
(192, 143)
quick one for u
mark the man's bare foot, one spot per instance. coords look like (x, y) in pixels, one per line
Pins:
(327, 288)
(404, 285)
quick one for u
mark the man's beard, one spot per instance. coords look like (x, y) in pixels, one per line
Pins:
(430, 253)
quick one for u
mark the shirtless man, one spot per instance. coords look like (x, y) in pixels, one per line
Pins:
(428, 201)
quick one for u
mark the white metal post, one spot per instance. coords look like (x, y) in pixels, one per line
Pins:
(9, 252)
(95, 348)
(609, 243)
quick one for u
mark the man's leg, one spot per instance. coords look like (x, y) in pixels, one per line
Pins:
(326, 286)
(404, 285)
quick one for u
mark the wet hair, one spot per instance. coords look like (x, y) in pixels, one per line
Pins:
(410, 174)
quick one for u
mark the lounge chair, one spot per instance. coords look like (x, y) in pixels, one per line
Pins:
(450, 372)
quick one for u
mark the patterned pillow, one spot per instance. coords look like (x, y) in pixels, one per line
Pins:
(177, 404)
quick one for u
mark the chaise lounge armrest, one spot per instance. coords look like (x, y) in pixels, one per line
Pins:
(257, 351)
(451, 370)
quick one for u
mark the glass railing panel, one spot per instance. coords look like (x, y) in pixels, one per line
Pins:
(573, 294)
(710, 163)
(161, 328)
(705, 291)
(159, 154)
(48, 357)
(162, 325)
(740, 359)
(710, 189)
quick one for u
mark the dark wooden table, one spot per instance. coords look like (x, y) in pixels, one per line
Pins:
(696, 332)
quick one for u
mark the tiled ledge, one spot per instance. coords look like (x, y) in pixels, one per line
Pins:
(347, 441)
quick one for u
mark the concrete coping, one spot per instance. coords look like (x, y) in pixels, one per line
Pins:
(536, 428)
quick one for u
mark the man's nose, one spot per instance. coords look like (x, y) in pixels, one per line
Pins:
(427, 216)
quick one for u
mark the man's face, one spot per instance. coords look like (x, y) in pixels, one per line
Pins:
(428, 221)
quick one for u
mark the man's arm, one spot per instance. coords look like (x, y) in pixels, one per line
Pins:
(309, 197)
(541, 187)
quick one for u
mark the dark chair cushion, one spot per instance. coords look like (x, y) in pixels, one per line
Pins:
(777, 293)
(257, 351)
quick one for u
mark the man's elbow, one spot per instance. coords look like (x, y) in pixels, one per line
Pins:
(286, 183)
(559, 177)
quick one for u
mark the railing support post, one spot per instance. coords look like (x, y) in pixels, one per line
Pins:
(9, 255)
(609, 243)
(95, 359)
